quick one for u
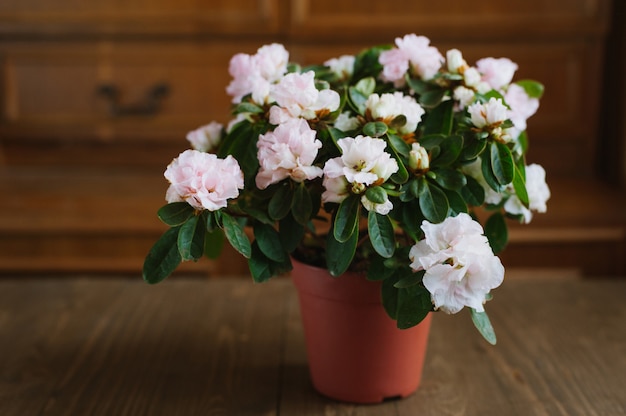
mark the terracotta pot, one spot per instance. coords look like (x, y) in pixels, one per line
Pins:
(355, 351)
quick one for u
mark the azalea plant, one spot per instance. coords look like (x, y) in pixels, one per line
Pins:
(379, 162)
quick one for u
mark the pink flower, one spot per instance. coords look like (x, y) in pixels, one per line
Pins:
(522, 107)
(460, 266)
(206, 138)
(288, 152)
(203, 180)
(498, 73)
(413, 52)
(388, 106)
(296, 96)
(489, 114)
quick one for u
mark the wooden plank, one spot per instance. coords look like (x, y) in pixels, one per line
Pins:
(115, 347)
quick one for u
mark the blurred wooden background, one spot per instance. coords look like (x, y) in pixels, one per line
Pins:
(81, 180)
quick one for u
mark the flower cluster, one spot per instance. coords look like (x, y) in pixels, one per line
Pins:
(382, 161)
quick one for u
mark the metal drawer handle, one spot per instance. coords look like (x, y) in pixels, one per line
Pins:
(148, 106)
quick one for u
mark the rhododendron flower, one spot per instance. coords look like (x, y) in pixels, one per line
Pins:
(498, 73)
(296, 96)
(380, 208)
(343, 66)
(253, 74)
(455, 62)
(202, 180)
(363, 162)
(345, 122)
(206, 138)
(521, 108)
(287, 152)
(413, 53)
(493, 113)
(460, 266)
(387, 107)
(538, 194)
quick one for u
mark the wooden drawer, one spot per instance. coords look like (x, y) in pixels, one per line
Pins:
(136, 17)
(454, 19)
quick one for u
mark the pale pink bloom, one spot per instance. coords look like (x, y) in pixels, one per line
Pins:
(335, 189)
(253, 74)
(343, 66)
(425, 60)
(413, 53)
(472, 78)
(296, 96)
(271, 61)
(460, 266)
(206, 138)
(538, 194)
(287, 152)
(203, 180)
(489, 114)
(498, 73)
(395, 65)
(521, 107)
(463, 96)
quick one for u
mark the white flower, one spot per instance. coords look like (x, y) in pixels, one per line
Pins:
(271, 61)
(471, 77)
(464, 96)
(363, 162)
(203, 180)
(387, 107)
(456, 63)
(343, 66)
(346, 123)
(538, 194)
(206, 138)
(498, 73)
(488, 115)
(460, 266)
(296, 96)
(382, 209)
(287, 152)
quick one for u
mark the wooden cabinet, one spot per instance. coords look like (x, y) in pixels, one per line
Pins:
(167, 61)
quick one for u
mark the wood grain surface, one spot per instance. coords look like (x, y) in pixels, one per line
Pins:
(188, 346)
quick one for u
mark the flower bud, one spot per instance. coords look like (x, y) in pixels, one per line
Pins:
(418, 157)
(455, 61)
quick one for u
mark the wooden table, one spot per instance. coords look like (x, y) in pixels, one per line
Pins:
(113, 346)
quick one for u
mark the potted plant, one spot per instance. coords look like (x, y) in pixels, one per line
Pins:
(376, 165)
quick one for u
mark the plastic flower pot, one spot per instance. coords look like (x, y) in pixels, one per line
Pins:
(355, 351)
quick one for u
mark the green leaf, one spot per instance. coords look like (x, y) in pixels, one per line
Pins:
(440, 119)
(414, 305)
(451, 148)
(432, 98)
(496, 232)
(473, 192)
(346, 220)
(213, 243)
(502, 163)
(488, 174)
(381, 234)
(398, 145)
(241, 144)
(175, 213)
(357, 99)
(163, 257)
(433, 203)
(376, 194)
(456, 202)
(377, 269)
(281, 202)
(375, 129)
(191, 238)
(235, 235)
(247, 107)
(302, 206)
(402, 175)
(389, 294)
(519, 184)
(259, 264)
(483, 324)
(410, 279)
(366, 86)
(268, 241)
(339, 255)
(291, 233)
(449, 178)
(534, 89)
